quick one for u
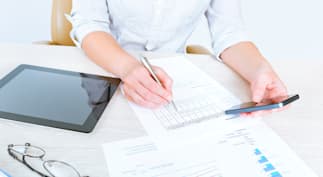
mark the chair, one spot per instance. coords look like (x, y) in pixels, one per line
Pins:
(60, 26)
(198, 49)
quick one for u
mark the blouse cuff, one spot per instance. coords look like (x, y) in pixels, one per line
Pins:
(229, 41)
(79, 32)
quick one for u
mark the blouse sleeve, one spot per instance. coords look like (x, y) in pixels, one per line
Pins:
(226, 25)
(88, 16)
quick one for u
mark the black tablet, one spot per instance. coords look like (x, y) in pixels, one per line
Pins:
(55, 98)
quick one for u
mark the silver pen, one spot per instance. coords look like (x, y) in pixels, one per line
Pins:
(148, 66)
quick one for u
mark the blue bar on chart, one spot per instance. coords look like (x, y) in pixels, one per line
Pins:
(275, 174)
(269, 167)
(263, 159)
(257, 152)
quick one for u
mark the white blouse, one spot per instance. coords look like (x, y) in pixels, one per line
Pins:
(158, 25)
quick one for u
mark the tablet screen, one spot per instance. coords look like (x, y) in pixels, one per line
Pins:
(54, 95)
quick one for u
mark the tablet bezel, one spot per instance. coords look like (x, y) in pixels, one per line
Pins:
(91, 120)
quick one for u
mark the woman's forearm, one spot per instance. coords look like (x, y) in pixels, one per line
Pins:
(138, 85)
(104, 50)
(245, 59)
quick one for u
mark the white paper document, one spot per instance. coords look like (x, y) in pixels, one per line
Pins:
(200, 104)
(196, 139)
(251, 151)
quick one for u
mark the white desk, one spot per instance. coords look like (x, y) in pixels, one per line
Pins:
(301, 126)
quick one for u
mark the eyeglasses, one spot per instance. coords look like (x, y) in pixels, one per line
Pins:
(33, 158)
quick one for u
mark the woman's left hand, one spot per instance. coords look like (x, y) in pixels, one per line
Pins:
(246, 60)
(266, 85)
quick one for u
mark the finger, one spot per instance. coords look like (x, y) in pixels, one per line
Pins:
(148, 95)
(278, 89)
(260, 113)
(165, 79)
(276, 93)
(244, 114)
(134, 97)
(282, 108)
(255, 113)
(155, 88)
(247, 114)
(258, 91)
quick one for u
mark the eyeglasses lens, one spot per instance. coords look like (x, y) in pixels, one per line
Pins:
(60, 169)
(28, 150)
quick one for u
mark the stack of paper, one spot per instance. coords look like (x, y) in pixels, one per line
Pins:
(196, 139)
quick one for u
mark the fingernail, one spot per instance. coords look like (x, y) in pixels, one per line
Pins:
(256, 98)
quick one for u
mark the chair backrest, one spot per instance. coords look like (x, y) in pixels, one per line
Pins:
(60, 26)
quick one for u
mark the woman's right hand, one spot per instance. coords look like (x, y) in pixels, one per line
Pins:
(140, 88)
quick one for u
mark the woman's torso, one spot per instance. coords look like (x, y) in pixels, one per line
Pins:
(162, 25)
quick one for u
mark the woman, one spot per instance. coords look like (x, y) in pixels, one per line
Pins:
(105, 29)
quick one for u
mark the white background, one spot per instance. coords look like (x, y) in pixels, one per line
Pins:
(281, 29)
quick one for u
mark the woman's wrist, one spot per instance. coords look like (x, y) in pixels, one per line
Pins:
(127, 66)
(259, 67)
(245, 59)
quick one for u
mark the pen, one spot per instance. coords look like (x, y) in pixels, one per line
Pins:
(148, 66)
